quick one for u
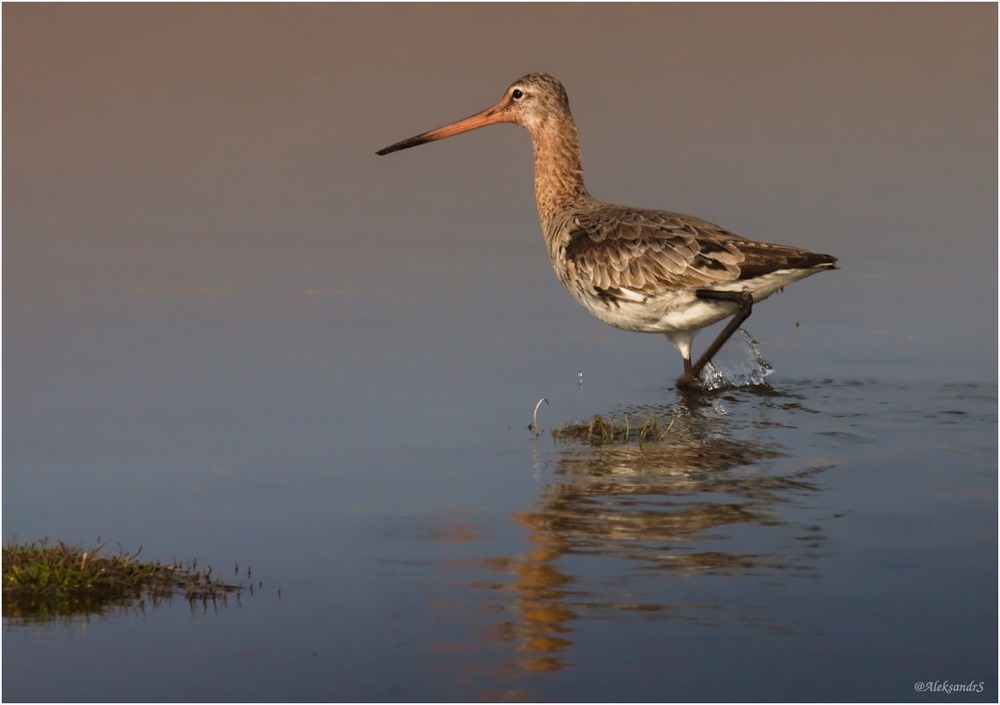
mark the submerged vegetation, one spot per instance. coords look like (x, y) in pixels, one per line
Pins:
(600, 431)
(43, 581)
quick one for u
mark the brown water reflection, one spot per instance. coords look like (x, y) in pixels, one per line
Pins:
(701, 504)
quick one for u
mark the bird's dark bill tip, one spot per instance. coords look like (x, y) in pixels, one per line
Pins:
(405, 144)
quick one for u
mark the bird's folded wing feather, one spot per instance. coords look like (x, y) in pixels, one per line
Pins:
(653, 252)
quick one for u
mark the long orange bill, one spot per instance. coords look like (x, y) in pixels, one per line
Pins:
(490, 116)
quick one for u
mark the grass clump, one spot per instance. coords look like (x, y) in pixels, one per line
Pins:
(44, 581)
(597, 431)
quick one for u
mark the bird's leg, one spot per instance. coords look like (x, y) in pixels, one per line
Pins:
(744, 303)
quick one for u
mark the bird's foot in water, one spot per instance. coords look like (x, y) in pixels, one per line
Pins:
(688, 382)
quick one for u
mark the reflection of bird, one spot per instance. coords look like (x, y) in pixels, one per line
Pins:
(698, 504)
(642, 270)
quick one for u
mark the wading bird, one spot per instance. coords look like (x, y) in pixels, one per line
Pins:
(637, 269)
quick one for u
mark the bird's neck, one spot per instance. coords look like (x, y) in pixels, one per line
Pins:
(558, 172)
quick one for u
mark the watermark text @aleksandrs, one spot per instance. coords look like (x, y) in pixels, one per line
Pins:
(949, 687)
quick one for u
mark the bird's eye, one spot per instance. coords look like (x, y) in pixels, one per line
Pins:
(517, 94)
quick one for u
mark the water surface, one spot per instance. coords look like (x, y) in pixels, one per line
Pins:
(233, 334)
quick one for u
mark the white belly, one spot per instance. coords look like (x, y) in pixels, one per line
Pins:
(680, 311)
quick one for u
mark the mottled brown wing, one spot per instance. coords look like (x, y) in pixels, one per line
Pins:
(650, 252)
(624, 250)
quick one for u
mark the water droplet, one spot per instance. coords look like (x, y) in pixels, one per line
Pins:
(738, 364)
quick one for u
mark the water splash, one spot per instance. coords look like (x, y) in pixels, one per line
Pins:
(738, 364)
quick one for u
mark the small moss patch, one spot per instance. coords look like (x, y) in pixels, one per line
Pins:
(43, 580)
(600, 431)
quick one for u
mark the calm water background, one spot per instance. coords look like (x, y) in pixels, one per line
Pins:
(234, 334)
